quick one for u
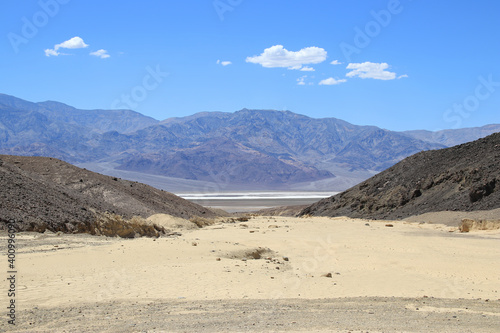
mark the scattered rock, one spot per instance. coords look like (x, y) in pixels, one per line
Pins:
(255, 253)
(389, 225)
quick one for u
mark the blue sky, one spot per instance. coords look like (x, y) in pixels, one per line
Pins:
(395, 64)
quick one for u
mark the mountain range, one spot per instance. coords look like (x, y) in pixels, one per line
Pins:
(250, 148)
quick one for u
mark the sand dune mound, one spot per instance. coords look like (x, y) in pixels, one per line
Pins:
(171, 222)
(474, 225)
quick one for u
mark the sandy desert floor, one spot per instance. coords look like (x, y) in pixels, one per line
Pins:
(268, 274)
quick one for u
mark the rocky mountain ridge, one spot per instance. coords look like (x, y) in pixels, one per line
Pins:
(461, 178)
(248, 147)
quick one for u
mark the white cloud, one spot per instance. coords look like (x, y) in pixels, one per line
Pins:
(331, 81)
(301, 80)
(224, 63)
(103, 54)
(278, 56)
(370, 70)
(307, 69)
(402, 76)
(50, 52)
(335, 62)
(72, 43)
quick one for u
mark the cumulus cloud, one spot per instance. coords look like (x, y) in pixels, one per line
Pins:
(72, 43)
(331, 81)
(402, 76)
(335, 62)
(278, 56)
(370, 70)
(224, 63)
(307, 69)
(50, 52)
(103, 54)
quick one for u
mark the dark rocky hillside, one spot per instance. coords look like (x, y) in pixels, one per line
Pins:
(460, 178)
(45, 193)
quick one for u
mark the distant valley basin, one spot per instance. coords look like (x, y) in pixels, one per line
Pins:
(253, 201)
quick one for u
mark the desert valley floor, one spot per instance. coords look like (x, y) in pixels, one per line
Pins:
(264, 274)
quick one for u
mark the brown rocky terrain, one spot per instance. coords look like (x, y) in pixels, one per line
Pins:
(46, 193)
(461, 178)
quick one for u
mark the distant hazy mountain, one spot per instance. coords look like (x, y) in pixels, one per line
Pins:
(58, 130)
(239, 165)
(252, 147)
(100, 121)
(261, 146)
(453, 137)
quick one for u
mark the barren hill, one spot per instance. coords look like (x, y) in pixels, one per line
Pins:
(460, 178)
(43, 192)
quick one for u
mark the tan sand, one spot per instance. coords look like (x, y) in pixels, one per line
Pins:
(301, 258)
(171, 222)
(454, 218)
